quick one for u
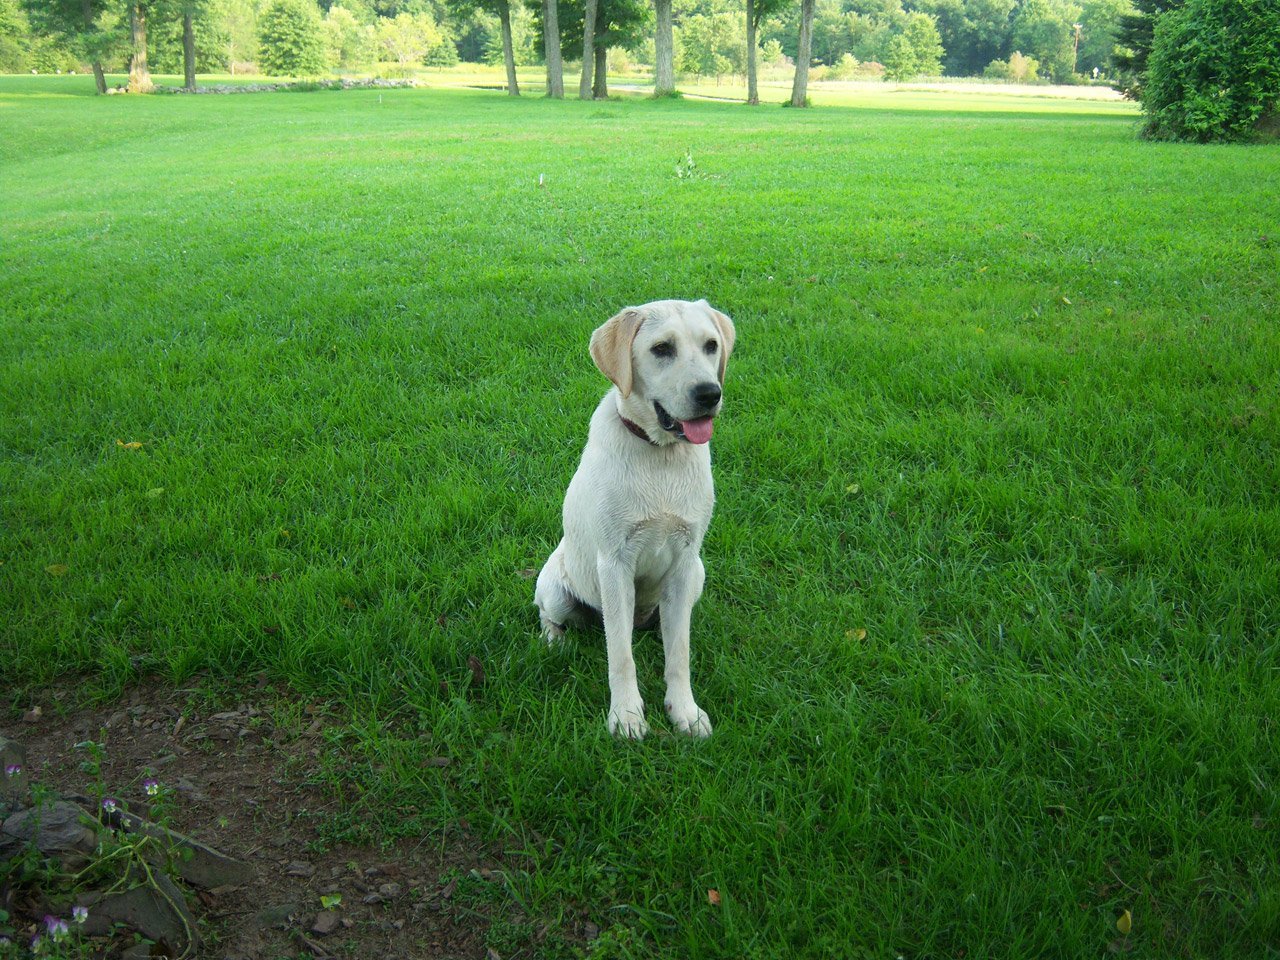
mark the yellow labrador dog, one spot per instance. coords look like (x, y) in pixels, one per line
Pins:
(638, 507)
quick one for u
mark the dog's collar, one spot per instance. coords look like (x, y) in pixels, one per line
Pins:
(637, 430)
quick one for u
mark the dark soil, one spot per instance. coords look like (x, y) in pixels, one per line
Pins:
(240, 788)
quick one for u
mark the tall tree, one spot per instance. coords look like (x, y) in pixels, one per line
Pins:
(804, 51)
(239, 18)
(189, 49)
(757, 11)
(551, 48)
(80, 22)
(502, 10)
(291, 39)
(139, 73)
(589, 9)
(15, 37)
(664, 49)
(1134, 35)
(508, 48)
(617, 23)
(190, 10)
(1043, 28)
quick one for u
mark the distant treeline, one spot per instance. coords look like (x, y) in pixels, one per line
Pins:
(1059, 40)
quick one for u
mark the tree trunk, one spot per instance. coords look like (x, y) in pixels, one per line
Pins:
(601, 89)
(551, 45)
(753, 93)
(508, 51)
(139, 75)
(664, 71)
(99, 78)
(189, 49)
(800, 88)
(588, 48)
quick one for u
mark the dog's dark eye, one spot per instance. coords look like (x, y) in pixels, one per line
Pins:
(710, 347)
(664, 349)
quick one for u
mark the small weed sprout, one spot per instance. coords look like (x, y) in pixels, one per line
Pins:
(687, 168)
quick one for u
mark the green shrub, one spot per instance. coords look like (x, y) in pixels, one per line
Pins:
(846, 68)
(291, 39)
(1214, 72)
(1017, 68)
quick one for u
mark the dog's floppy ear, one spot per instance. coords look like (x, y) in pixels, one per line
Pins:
(727, 336)
(611, 347)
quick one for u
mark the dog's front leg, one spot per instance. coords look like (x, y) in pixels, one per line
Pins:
(679, 594)
(617, 602)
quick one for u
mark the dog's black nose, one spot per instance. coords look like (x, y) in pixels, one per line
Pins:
(706, 395)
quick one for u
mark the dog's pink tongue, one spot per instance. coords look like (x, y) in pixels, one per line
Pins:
(697, 431)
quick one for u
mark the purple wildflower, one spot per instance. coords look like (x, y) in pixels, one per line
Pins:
(151, 787)
(13, 769)
(79, 914)
(109, 805)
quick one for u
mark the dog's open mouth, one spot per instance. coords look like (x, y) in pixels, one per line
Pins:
(695, 431)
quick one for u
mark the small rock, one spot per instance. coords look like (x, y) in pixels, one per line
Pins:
(390, 890)
(326, 922)
(300, 868)
(55, 827)
(32, 715)
(199, 864)
(156, 910)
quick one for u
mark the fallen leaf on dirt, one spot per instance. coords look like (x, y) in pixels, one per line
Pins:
(436, 762)
(57, 569)
(476, 668)
(528, 573)
(713, 897)
(347, 602)
(131, 445)
(1055, 810)
(1125, 923)
(285, 534)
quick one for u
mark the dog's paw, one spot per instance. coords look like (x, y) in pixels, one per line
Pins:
(626, 720)
(690, 719)
(552, 632)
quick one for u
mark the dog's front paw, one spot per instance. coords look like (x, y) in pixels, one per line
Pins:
(626, 719)
(690, 719)
(552, 632)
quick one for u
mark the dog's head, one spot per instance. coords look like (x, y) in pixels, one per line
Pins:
(667, 360)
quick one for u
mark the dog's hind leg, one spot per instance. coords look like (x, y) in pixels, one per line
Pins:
(555, 603)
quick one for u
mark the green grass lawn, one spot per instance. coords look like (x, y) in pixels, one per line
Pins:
(1004, 398)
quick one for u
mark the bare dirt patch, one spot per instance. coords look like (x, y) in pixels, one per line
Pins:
(240, 786)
